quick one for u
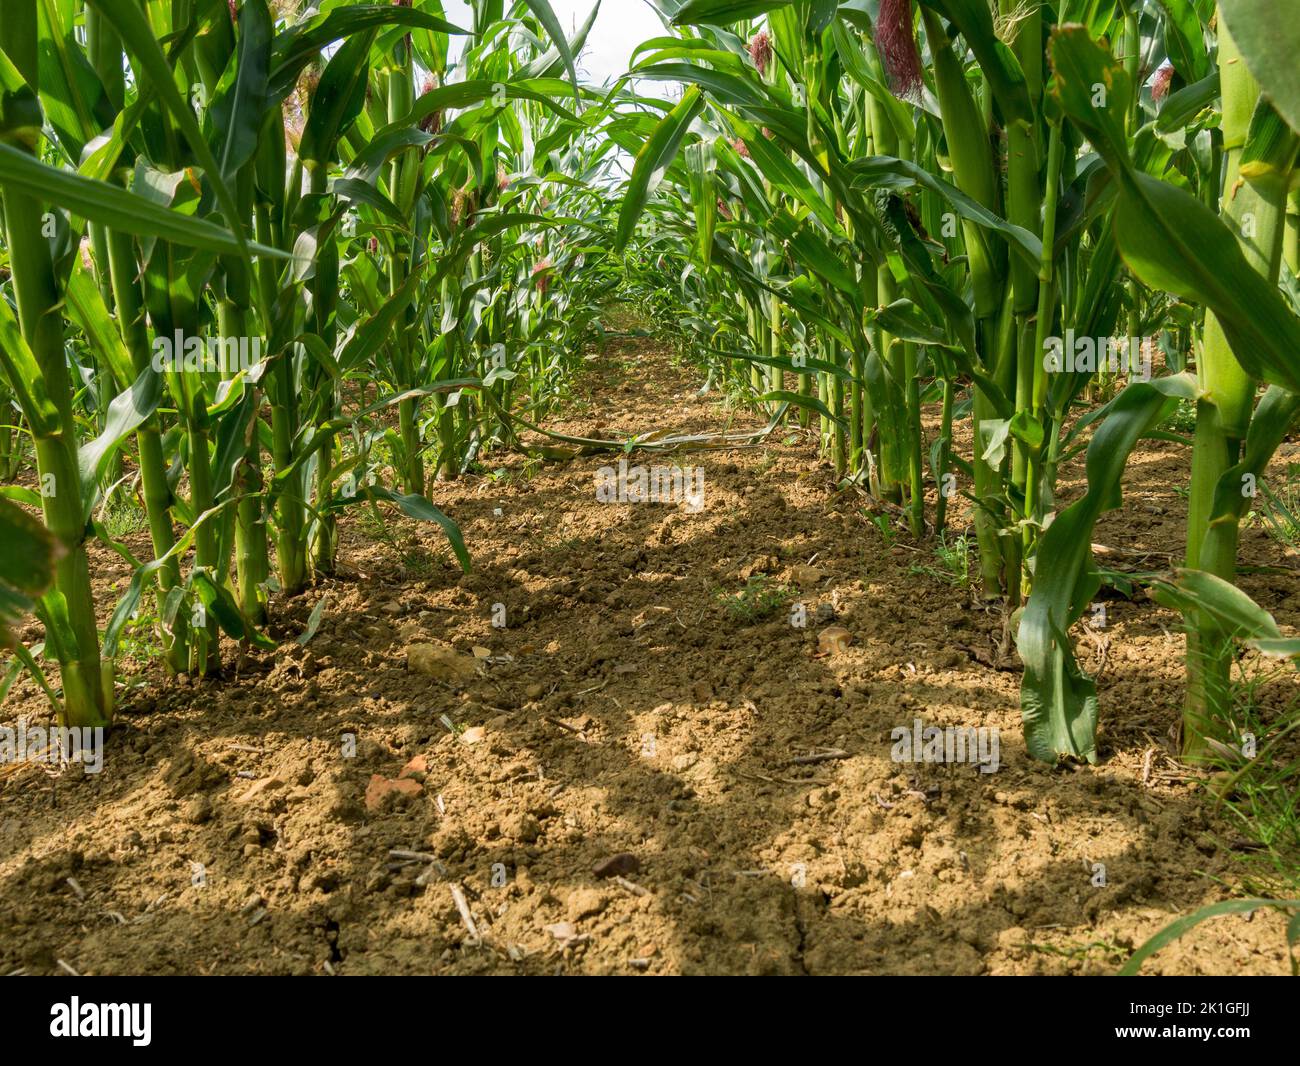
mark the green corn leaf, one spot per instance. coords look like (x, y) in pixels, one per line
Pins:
(886, 172)
(547, 64)
(1273, 419)
(240, 104)
(546, 16)
(723, 12)
(52, 609)
(337, 101)
(728, 89)
(798, 399)
(657, 152)
(1185, 40)
(24, 375)
(974, 18)
(360, 192)
(301, 44)
(153, 69)
(807, 245)
(234, 420)
(70, 89)
(28, 555)
(463, 94)
(1093, 89)
(1168, 237)
(371, 335)
(1181, 107)
(1234, 614)
(776, 167)
(112, 206)
(993, 436)
(702, 166)
(1278, 647)
(313, 622)
(1173, 242)
(86, 307)
(666, 48)
(25, 659)
(788, 363)
(130, 599)
(1058, 702)
(128, 411)
(413, 506)
(218, 602)
(1269, 38)
(21, 117)
(904, 320)
(382, 146)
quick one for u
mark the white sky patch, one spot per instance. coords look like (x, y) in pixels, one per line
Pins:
(619, 28)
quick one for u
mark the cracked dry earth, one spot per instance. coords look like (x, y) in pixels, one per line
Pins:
(626, 719)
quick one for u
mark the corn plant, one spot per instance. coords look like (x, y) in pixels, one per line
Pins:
(245, 244)
(967, 184)
(396, 234)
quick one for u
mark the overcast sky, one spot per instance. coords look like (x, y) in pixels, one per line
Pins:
(620, 27)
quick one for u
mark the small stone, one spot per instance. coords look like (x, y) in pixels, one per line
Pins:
(624, 864)
(267, 784)
(807, 576)
(441, 662)
(1015, 941)
(763, 564)
(834, 640)
(411, 631)
(562, 931)
(198, 810)
(523, 828)
(535, 691)
(416, 768)
(324, 881)
(585, 903)
(381, 786)
(684, 761)
(473, 735)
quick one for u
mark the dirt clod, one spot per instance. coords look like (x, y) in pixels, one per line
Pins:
(440, 661)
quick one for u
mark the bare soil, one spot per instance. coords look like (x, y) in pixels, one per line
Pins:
(625, 710)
